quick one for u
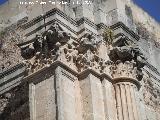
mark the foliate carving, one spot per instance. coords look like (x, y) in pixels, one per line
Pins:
(123, 69)
(55, 44)
(88, 42)
(46, 48)
(123, 51)
(90, 60)
(84, 53)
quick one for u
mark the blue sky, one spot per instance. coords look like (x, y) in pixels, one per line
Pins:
(2, 1)
(150, 6)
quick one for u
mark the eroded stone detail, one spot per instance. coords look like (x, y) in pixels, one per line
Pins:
(88, 42)
(55, 44)
(83, 96)
(84, 54)
(10, 54)
(45, 49)
(14, 105)
(127, 56)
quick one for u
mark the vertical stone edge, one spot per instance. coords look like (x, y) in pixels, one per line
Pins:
(109, 100)
(79, 106)
(68, 95)
(58, 93)
(32, 101)
(97, 98)
(92, 98)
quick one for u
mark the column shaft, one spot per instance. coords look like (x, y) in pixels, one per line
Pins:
(129, 103)
(118, 103)
(134, 103)
(125, 101)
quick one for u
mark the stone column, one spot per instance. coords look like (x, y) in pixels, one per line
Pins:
(127, 108)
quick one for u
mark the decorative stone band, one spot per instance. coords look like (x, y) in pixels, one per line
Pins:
(127, 80)
(125, 94)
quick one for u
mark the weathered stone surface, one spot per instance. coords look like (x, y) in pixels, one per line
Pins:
(10, 54)
(82, 62)
(14, 105)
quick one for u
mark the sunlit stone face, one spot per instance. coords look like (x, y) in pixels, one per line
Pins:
(77, 61)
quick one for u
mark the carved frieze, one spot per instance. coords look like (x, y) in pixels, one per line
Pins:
(56, 44)
(45, 49)
(88, 42)
(84, 54)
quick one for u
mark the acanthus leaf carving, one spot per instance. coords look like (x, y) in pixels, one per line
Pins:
(45, 48)
(87, 42)
(124, 51)
(84, 54)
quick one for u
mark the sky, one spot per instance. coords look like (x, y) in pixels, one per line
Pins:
(2, 1)
(152, 7)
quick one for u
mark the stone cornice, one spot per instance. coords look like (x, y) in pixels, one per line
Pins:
(101, 26)
(151, 75)
(80, 75)
(48, 14)
(11, 78)
(126, 29)
(76, 24)
(49, 23)
(11, 70)
(87, 21)
(62, 14)
(83, 74)
(151, 67)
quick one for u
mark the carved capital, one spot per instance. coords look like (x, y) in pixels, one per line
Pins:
(126, 69)
(45, 48)
(127, 58)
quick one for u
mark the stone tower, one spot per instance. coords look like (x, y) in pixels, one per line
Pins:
(78, 60)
